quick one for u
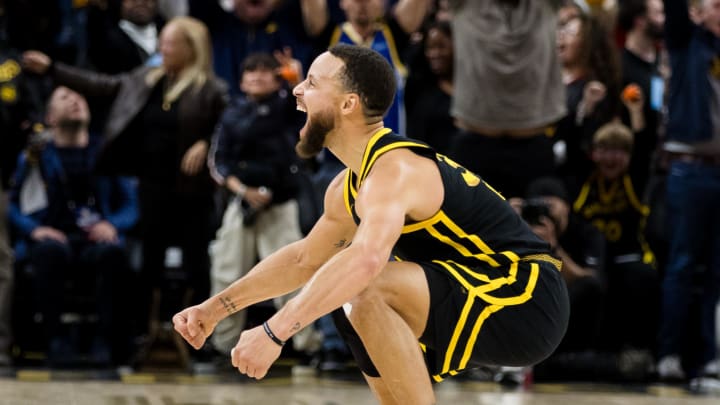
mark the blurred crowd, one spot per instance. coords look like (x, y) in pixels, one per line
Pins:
(147, 156)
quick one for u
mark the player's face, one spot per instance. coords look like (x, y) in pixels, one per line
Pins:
(318, 96)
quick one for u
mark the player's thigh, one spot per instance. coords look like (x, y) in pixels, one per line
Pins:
(404, 288)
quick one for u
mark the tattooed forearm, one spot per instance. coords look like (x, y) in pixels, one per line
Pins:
(295, 327)
(340, 243)
(229, 306)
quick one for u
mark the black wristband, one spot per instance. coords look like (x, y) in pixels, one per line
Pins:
(271, 335)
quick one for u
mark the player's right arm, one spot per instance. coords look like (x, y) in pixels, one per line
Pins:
(282, 272)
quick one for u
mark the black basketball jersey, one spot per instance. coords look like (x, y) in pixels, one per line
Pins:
(475, 225)
(615, 210)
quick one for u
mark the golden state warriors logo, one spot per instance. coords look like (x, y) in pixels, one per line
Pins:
(471, 179)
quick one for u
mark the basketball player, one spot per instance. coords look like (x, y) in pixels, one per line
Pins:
(471, 285)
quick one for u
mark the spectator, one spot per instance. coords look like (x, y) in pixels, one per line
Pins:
(370, 24)
(643, 21)
(122, 34)
(609, 201)
(693, 183)
(156, 131)
(429, 114)
(511, 93)
(252, 26)
(591, 74)
(71, 225)
(254, 159)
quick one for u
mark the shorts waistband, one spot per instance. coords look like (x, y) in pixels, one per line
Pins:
(543, 257)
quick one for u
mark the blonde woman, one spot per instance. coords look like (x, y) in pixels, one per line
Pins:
(158, 128)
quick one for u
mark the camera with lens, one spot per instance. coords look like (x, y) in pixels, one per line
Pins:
(533, 210)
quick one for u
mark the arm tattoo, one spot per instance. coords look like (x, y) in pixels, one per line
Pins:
(340, 243)
(229, 306)
(295, 327)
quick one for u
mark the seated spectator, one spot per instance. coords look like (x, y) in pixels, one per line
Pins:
(70, 224)
(159, 129)
(254, 159)
(609, 200)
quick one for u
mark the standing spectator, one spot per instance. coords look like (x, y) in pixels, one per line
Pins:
(693, 184)
(643, 21)
(429, 114)
(251, 26)
(157, 131)
(609, 200)
(122, 39)
(254, 159)
(511, 93)
(591, 74)
(370, 24)
(71, 225)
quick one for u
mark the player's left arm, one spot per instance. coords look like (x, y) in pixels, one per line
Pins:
(396, 188)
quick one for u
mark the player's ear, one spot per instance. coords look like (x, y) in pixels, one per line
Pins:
(350, 103)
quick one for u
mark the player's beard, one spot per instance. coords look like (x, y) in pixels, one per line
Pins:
(318, 127)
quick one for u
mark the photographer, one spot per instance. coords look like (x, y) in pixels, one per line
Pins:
(581, 249)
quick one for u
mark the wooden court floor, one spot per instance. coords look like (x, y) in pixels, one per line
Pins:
(37, 387)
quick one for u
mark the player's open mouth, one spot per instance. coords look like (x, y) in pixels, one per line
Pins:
(301, 108)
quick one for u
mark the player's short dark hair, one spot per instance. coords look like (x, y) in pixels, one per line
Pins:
(369, 75)
(258, 61)
(628, 11)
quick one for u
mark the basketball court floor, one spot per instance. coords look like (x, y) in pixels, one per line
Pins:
(281, 387)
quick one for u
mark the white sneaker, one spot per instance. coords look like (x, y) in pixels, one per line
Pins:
(670, 368)
(712, 369)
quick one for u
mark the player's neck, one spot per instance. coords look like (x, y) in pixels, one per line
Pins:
(348, 142)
